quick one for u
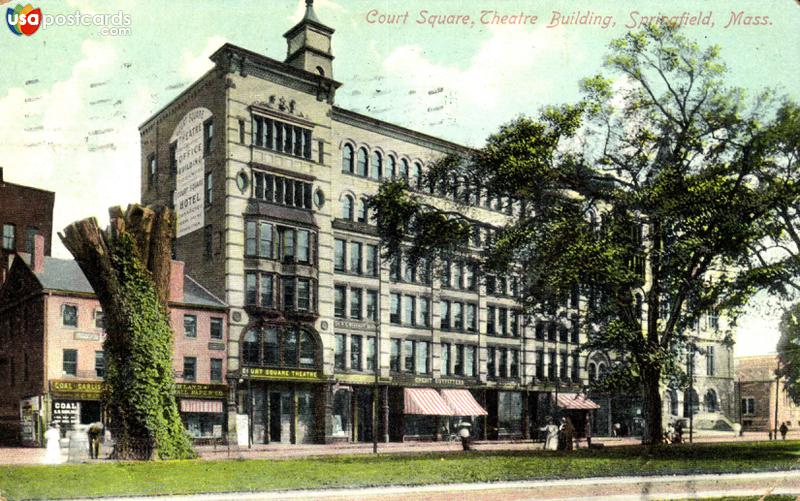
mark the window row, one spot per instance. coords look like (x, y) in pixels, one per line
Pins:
(415, 356)
(363, 303)
(190, 369)
(286, 244)
(374, 166)
(279, 346)
(281, 190)
(557, 331)
(502, 362)
(69, 363)
(459, 360)
(559, 366)
(403, 270)
(362, 351)
(458, 316)
(280, 292)
(190, 327)
(69, 316)
(9, 236)
(502, 321)
(355, 257)
(352, 212)
(278, 136)
(409, 310)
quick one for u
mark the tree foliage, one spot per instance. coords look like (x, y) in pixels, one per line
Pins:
(645, 195)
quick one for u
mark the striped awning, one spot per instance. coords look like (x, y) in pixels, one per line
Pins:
(575, 401)
(463, 403)
(425, 401)
(202, 406)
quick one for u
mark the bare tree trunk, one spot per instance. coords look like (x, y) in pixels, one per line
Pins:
(652, 406)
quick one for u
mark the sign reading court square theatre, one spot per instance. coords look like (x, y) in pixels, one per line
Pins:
(189, 155)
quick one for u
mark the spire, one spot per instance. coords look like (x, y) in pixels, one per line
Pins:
(310, 14)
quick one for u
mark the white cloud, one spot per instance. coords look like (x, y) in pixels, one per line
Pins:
(193, 65)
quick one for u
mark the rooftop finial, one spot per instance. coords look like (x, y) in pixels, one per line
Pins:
(310, 14)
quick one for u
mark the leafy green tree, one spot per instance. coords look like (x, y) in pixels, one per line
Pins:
(643, 196)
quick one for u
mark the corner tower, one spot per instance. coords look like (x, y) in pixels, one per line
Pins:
(309, 44)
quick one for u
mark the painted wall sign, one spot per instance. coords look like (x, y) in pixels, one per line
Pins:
(78, 390)
(190, 158)
(201, 390)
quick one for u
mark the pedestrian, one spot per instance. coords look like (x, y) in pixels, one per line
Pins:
(784, 430)
(678, 432)
(551, 437)
(568, 432)
(95, 433)
(587, 430)
(463, 433)
(616, 430)
(52, 439)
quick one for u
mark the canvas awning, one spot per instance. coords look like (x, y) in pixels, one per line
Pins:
(201, 406)
(575, 401)
(463, 403)
(425, 401)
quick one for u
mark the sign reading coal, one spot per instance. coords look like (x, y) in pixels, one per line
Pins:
(190, 159)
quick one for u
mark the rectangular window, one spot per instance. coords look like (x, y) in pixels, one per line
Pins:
(748, 406)
(491, 369)
(99, 364)
(515, 324)
(424, 312)
(551, 331)
(70, 362)
(250, 288)
(458, 369)
(338, 255)
(444, 315)
(173, 158)
(69, 315)
(355, 257)
(189, 368)
(503, 320)
(423, 362)
(355, 352)
(209, 187)
(514, 367)
(472, 318)
(30, 240)
(371, 351)
(152, 171)
(456, 276)
(445, 368)
(563, 333)
(266, 290)
(540, 365)
(371, 260)
(339, 303)
(458, 316)
(574, 369)
(394, 270)
(552, 366)
(216, 328)
(216, 370)
(372, 305)
(99, 319)
(408, 352)
(409, 271)
(408, 310)
(490, 319)
(250, 238)
(355, 303)
(190, 325)
(491, 284)
(503, 363)
(303, 246)
(339, 353)
(394, 359)
(394, 312)
(469, 274)
(445, 278)
(564, 365)
(539, 331)
(575, 332)
(469, 361)
(304, 294)
(208, 136)
(286, 236)
(265, 241)
(710, 368)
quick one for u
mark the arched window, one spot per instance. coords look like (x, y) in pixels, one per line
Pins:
(592, 372)
(307, 349)
(710, 401)
(362, 210)
(414, 176)
(362, 162)
(347, 207)
(392, 172)
(250, 348)
(403, 169)
(347, 158)
(376, 165)
(691, 403)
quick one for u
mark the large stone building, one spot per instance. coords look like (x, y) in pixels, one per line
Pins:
(764, 403)
(51, 350)
(269, 178)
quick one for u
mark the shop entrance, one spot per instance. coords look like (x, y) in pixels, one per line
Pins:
(280, 413)
(362, 431)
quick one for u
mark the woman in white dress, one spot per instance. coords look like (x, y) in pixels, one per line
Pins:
(551, 439)
(52, 439)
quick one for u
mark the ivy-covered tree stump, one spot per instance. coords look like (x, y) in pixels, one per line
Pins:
(128, 266)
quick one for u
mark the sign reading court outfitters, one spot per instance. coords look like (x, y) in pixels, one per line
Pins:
(189, 154)
(282, 374)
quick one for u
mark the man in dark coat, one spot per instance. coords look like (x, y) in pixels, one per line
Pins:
(95, 433)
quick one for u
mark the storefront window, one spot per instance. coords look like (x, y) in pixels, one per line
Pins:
(282, 346)
(509, 412)
(305, 417)
(420, 426)
(341, 412)
(203, 425)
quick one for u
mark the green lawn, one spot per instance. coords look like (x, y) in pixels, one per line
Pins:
(185, 477)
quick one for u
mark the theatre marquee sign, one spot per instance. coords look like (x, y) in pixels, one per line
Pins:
(283, 374)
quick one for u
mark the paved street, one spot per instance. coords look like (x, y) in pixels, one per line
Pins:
(590, 489)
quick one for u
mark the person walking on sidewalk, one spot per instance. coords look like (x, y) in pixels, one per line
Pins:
(463, 433)
(52, 438)
(551, 437)
(784, 430)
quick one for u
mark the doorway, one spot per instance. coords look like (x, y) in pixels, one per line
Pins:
(280, 413)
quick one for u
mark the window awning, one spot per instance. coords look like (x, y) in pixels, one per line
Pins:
(202, 406)
(425, 401)
(575, 401)
(463, 403)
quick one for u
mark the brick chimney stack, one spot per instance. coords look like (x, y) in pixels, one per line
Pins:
(37, 258)
(176, 281)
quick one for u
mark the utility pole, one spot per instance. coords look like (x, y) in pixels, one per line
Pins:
(777, 396)
(375, 389)
(691, 393)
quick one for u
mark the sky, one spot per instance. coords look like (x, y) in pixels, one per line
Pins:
(72, 96)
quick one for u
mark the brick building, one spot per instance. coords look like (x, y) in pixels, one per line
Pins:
(24, 213)
(757, 388)
(51, 353)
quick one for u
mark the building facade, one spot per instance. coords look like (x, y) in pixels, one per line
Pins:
(763, 402)
(24, 213)
(51, 350)
(269, 178)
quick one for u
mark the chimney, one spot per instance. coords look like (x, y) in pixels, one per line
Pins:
(37, 257)
(176, 281)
